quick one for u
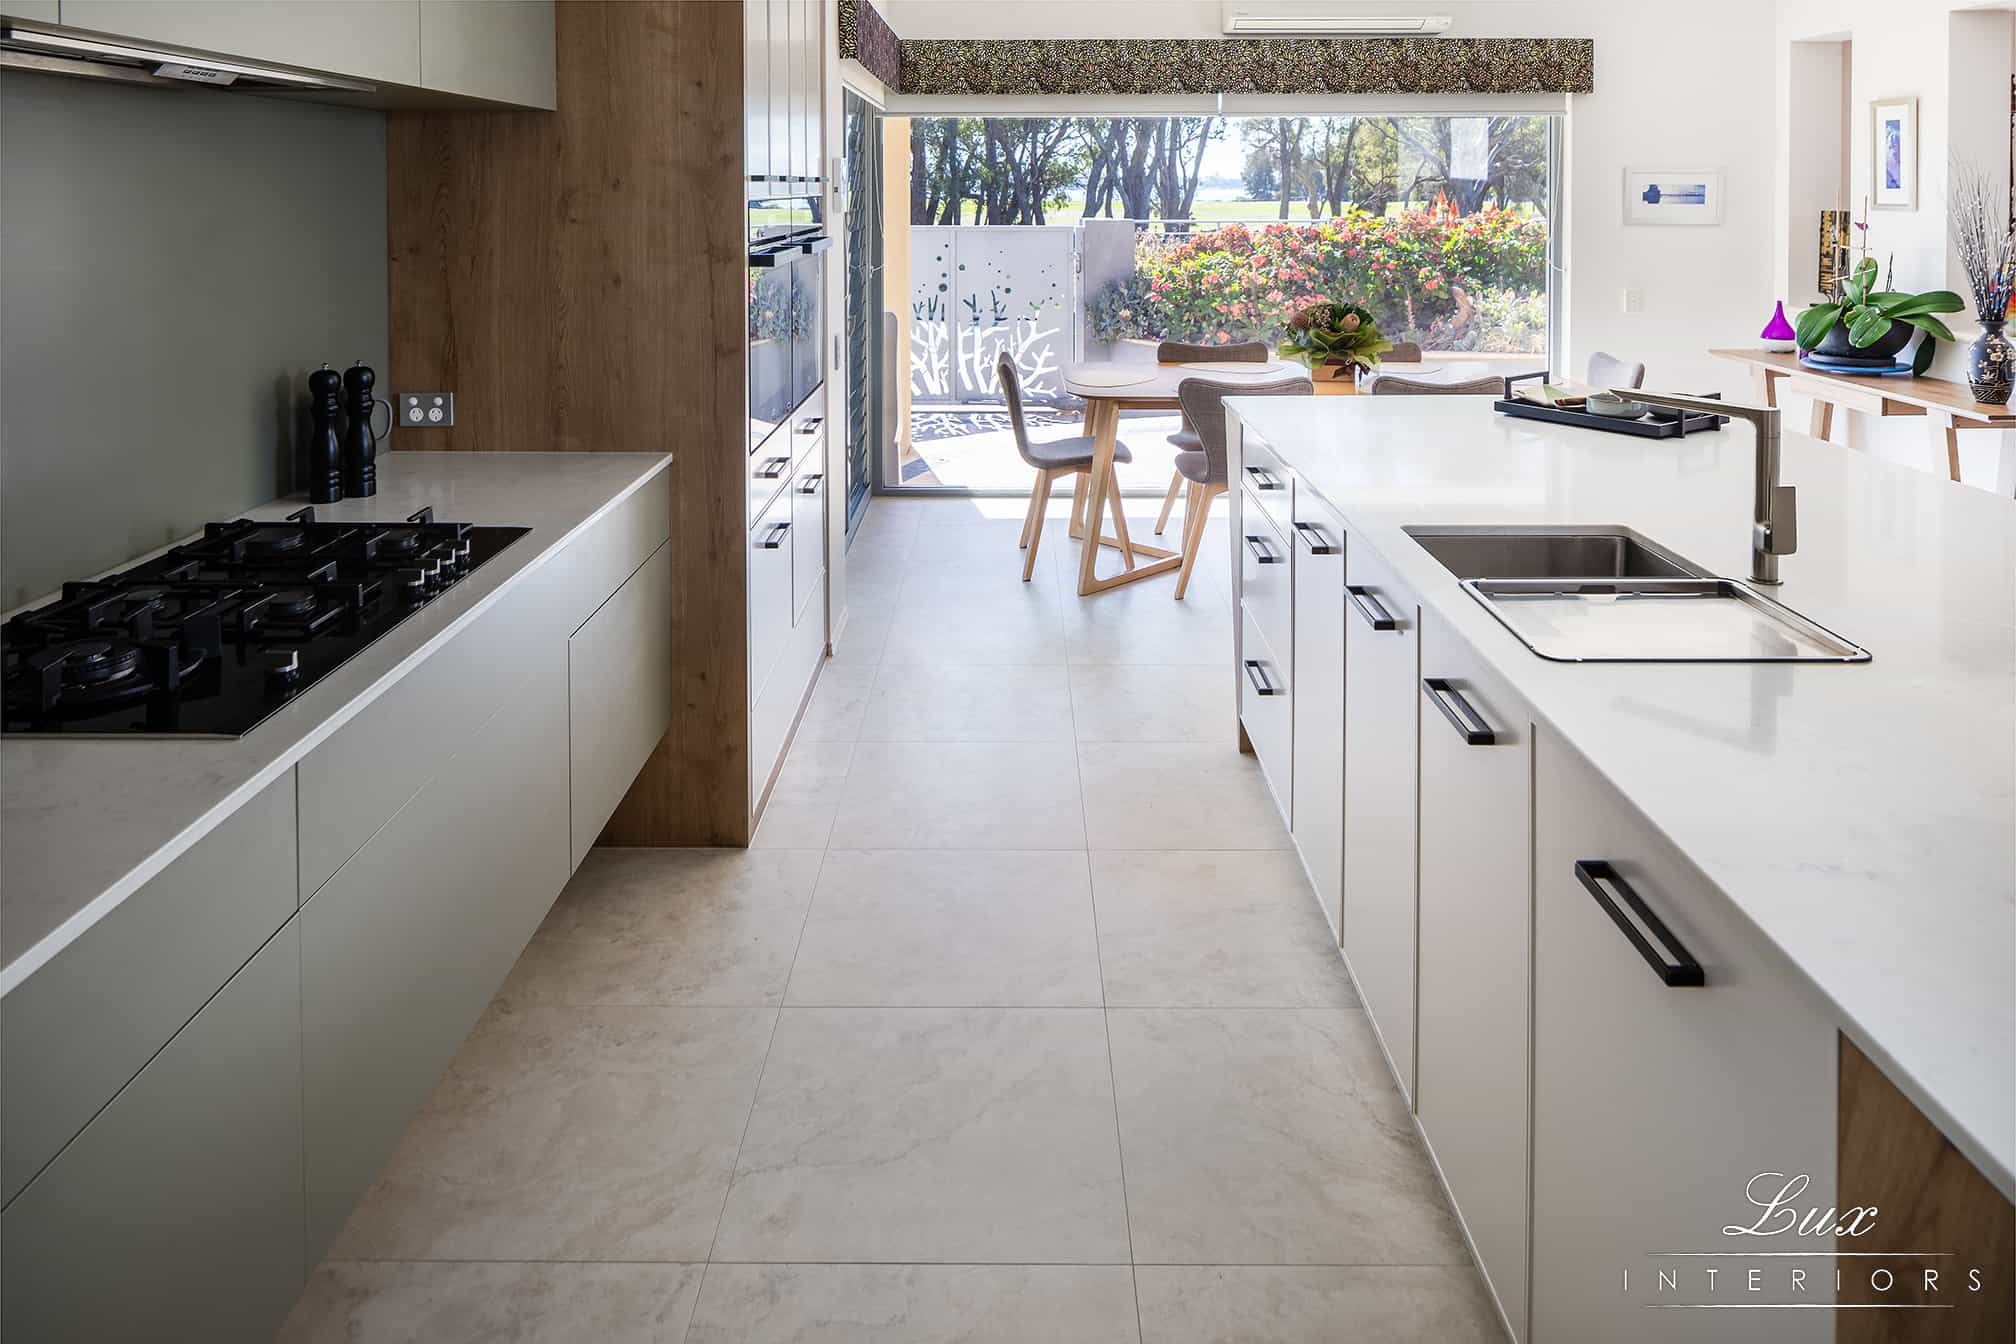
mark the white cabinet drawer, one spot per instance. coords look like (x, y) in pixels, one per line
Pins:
(1475, 934)
(73, 1033)
(770, 470)
(808, 533)
(1265, 708)
(1381, 718)
(619, 695)
(770, 611)
(776, 710)
(176, 1214)
(1267, 480)
(1656, 1104)
(1318, 823)
(1266, 564)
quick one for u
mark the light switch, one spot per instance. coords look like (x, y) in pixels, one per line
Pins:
(1634, 300)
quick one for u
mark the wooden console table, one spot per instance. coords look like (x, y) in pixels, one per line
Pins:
(1948, 407)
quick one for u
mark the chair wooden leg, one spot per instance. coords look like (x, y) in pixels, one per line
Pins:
(1081, 490)
(1039, 503)
(1193, 537)
(1169, 501)
(1036, 489)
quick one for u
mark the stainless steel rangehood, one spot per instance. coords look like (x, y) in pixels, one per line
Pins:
(55, 49)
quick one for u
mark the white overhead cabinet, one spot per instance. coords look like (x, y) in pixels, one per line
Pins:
(496, 51)
(782, 91)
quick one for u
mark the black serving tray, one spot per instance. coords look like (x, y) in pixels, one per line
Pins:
(1687, 423)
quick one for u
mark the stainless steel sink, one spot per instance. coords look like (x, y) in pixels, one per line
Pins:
(1607, 595)
(1550, 553)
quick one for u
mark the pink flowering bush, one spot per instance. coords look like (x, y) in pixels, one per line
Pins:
(1243, 283)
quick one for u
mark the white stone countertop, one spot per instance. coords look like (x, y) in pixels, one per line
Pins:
(1862, 817)
(85, 823)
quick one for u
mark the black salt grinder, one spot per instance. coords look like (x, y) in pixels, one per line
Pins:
(360, 444)
(325, 472)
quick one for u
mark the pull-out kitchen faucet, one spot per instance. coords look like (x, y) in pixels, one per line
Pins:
(1774, 526)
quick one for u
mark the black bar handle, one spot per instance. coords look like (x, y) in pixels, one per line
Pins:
(1318, 543)
(774, 468)
(1461, 715)
(1673, 962)
(1371, 609)
(811, 424)
(1264, 479)
(773, 538)
(1262, 683)
(809, 485)
(1262, 552)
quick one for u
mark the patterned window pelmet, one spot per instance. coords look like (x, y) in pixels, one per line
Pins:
(1150, 66)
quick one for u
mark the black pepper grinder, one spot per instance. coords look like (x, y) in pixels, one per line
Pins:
(360, 444)
(325, 471)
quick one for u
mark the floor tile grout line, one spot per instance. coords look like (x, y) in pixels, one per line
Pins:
(1465, 1262)
(1106, 1021)
(756, 1094)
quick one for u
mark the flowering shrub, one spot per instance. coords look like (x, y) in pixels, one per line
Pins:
(1241, 283)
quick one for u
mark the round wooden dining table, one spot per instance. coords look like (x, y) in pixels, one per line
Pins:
(1108, 389)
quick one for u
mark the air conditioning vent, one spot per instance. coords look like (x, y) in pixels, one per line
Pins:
(1283, 18)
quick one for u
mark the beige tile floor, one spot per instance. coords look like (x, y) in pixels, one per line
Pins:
(1019, 1023)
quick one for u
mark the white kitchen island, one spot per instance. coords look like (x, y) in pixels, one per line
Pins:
(1834, 843)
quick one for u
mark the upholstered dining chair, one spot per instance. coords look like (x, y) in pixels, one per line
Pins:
(1393, 385)
(1058, 457)
(1184, 440)
(1406, 352)
(1207, 470)
(1608, 371)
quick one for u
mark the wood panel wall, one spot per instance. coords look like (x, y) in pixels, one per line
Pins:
(1929, 1198)
(577, 279)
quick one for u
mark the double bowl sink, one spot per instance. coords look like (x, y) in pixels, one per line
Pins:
(1606, 594)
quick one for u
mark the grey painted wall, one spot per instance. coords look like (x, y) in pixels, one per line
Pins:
(172, 264)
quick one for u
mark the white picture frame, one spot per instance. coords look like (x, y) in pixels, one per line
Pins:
(1673, 196)
(1893, 154)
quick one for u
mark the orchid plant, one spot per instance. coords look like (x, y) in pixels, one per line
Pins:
(1869, 313)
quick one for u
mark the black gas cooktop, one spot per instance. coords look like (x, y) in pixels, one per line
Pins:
(213, 636)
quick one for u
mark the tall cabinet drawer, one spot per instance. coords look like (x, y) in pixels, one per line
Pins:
(1381, 722)
(770, 610)
(619, 695)
(1475, 931)
(1318, 822)
(1669, 1070)
(808, 528)
(73, 1033)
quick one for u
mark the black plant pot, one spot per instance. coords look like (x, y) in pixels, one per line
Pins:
(1836, 344)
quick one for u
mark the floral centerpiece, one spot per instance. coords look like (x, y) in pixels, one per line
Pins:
(1341, 337)
(1986, 242)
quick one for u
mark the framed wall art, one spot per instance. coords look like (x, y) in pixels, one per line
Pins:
(1672, 196)
(1893, 145)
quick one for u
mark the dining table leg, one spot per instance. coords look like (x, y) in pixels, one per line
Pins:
(1103, 494)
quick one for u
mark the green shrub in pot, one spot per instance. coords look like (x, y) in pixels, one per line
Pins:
(1877, 322)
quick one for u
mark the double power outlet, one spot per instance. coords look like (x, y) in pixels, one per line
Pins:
(426, 410)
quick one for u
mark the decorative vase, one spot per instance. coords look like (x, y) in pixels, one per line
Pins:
(1990, 362)
(1335, 378)
(1838, 346)
(1778, 335)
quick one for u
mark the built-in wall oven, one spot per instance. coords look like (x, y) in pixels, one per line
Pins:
(787, 265)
